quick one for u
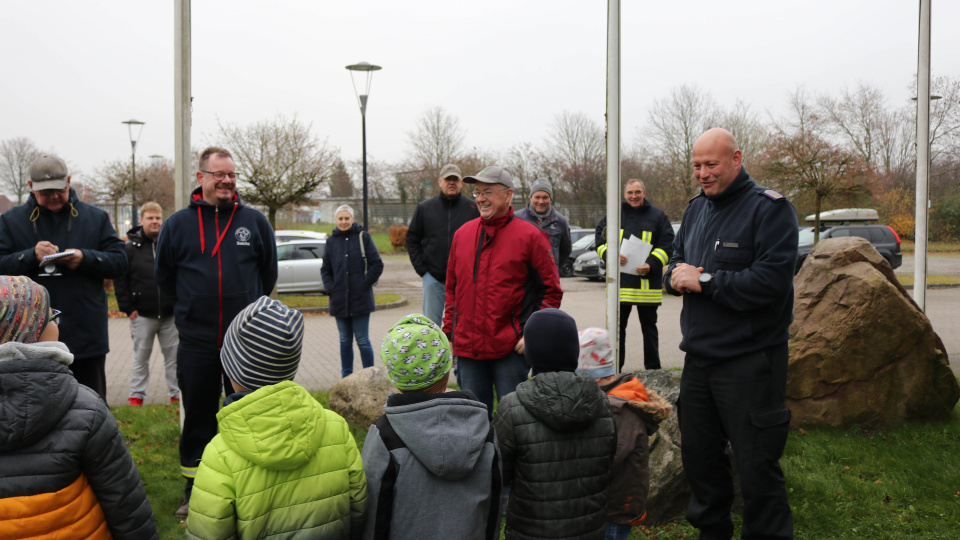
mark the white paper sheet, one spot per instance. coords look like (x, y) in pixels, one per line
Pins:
(636, 251)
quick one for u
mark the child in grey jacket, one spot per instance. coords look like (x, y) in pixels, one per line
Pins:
(432, 460)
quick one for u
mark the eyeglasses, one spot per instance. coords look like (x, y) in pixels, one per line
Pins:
(220, 175)
(54, 316)
(487, 192)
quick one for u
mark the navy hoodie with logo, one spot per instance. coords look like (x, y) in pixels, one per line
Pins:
(213, 261)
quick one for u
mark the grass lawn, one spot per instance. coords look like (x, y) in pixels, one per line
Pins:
(943, 248)
(902, 482)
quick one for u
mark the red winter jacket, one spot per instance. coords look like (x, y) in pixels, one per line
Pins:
(500, 271)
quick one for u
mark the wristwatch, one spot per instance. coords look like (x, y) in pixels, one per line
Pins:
(707, 284)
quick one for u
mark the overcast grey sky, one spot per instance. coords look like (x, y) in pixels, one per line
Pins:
(73, 71)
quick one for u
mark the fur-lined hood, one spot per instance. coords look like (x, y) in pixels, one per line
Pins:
(653, 411)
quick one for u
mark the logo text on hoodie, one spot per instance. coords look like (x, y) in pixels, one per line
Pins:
(243, 236)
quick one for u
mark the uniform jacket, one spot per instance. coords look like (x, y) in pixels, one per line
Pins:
(500, 272)
(350, 291)
(137, 290)
(747, 238)
(557, 229)
(213, 261)
(558, 439)
(652, 225)
(79, 293)
(447, 463)
(282, 466)
(638, 414)
(431, 232)
(64, 469)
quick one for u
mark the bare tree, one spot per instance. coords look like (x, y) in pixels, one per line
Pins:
(944, 119)
(16, 156)
(751, 133)
(281, 163)
(525, 164)
(112, 183)
(575, 156)
(436, 141)
(804, 162)
(674, 124)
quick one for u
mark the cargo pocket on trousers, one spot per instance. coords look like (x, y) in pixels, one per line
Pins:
(773, 424)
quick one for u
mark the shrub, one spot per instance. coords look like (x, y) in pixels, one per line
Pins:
(398, 238)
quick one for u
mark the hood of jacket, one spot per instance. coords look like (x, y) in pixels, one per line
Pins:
(563, 400)
(626, 393)
(136, 233)
(277, 427)
(37, 389)
(197, 200)
(445, 432)
(72, 200)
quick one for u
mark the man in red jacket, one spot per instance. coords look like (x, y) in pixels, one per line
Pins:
(500, 271)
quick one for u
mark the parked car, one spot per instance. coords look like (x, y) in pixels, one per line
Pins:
(576, 233)
(584, 243)
(299, 263)
(883, 238)
(590, 265)
(285, 235)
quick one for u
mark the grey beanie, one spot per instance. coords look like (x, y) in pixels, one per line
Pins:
(262, 345)
(542, 184)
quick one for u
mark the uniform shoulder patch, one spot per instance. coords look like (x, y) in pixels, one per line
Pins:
(772, 194)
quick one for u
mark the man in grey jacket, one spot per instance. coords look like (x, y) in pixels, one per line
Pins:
(431, 449)
(540, 212)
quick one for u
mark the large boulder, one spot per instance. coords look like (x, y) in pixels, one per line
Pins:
(861, 350)
(360, 397)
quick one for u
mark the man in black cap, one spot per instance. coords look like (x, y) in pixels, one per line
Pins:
(500, 271)
(540, 212)
(69, 247)
(431, 232)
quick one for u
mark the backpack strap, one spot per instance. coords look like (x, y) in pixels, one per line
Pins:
(363, 253)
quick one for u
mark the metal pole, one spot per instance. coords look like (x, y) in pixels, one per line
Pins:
(133, 185)
(182, 105)
(613, 176)
(363, 120)
(923, 159)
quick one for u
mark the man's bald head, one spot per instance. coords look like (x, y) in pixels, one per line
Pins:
(716, 160)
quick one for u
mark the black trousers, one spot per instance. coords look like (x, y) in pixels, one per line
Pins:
(91, 372)
(202, 382)
(647, 313)
(740, 401)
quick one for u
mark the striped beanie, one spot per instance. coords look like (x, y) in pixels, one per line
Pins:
(417, 355)
(24, 308)
(262, 345)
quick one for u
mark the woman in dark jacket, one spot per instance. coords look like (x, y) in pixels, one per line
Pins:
(351, 266)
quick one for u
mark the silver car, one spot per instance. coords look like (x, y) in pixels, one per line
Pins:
(299, 263)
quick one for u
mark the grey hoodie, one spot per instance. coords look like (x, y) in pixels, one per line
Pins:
(445, 481)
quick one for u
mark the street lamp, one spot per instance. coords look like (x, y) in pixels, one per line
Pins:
(133, 160)
(362, 98)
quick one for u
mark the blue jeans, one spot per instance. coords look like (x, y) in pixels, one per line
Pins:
(434, 295)
(481, 376)
(359, 326)
(615, 531)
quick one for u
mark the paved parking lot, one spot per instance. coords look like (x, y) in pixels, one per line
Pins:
(584, 300)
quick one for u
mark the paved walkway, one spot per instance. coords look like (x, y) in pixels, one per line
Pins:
(584, 300)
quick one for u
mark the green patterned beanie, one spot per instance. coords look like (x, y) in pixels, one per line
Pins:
(417, 355)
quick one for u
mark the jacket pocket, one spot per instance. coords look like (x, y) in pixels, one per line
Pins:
(733, 254)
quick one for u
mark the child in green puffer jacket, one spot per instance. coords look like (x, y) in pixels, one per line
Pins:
(282, 466)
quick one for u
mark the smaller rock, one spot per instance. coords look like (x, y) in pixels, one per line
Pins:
(360, 397)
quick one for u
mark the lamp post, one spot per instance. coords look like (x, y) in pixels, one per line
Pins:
(362, 98)
(133, 161)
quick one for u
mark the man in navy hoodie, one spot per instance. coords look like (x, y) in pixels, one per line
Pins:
(214, 258)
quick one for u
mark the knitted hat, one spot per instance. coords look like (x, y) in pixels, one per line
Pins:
(550, 341)
(596, 354)
(417, 354)
(542, 184)
(262, 345)
(24, 308)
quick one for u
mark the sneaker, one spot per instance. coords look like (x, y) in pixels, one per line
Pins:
(135, 401)
(174, 401)
(184, 510)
